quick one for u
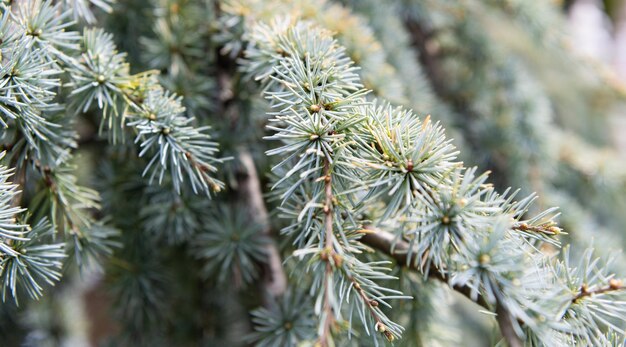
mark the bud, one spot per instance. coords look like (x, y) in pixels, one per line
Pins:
(555, 230)
(484, 259)
(615, 284)
(463, 202)
(337, 259)
(584, 289)
(380, 327)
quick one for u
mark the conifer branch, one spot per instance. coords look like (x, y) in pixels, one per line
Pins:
(249, 189)
(548, 229)
(379, 326)
(337, 92)
(398, 250)
(585, 291)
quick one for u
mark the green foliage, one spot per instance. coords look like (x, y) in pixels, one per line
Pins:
(28, 258)
(361, 202)
(231, 247)
(36, 262)
(44, 64)
(285, 323)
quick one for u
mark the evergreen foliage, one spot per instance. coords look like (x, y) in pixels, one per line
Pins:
(135, 168)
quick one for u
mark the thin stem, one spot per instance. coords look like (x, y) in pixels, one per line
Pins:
(397, 249)
(370, 304)
(20, 181)
(547, 229)
(19, 175)
(612, 286)
(50, 182)
(329, 253)
(328, 206)
(203, 170)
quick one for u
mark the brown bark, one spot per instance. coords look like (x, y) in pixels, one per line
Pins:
(388, 244)
(274, 280)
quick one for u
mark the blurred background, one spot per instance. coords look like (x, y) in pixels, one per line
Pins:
(599, 29)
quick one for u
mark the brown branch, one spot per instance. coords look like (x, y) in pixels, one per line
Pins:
(328, 206)
(428, 56)
(614, 285)
(431, 58)
(50, 182)
(397, 249)
(328, 253)
(274, 279)
(371, 303)
(203, 169)
(250, 192)
(20, 181)
(505, 322)
(19, 177)
(547, 228)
